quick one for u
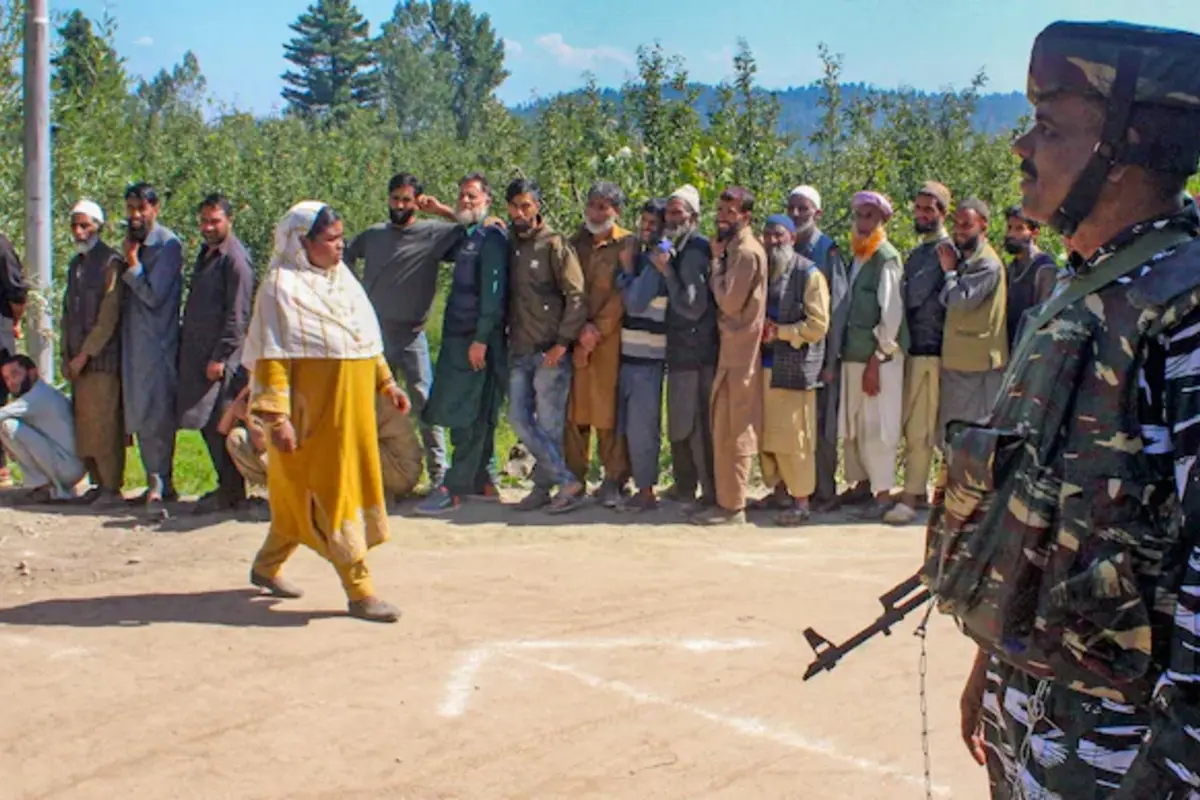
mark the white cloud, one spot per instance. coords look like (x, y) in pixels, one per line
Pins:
(582, 57)
(513, 48)
(144, 41)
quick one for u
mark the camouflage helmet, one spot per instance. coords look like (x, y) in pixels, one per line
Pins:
(1083, 57)
(1127, 67)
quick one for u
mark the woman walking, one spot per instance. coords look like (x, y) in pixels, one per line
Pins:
(315, 354)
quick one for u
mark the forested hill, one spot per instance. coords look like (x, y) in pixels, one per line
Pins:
(800, 110)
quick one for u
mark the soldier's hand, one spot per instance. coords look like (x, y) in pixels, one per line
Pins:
(971, 708)
(477, 355)
(870, 380)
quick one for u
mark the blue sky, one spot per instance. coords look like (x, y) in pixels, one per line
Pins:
(917, 43)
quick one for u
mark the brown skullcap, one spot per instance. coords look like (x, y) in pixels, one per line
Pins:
(937, 191)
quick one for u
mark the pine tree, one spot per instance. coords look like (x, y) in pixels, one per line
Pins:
(335, 62)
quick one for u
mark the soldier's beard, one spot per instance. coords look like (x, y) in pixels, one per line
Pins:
(780, 257)
(472, 216)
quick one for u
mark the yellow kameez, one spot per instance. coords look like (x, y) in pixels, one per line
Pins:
(328, 494)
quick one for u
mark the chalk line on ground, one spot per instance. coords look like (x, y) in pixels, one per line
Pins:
(462, 677)
(747, 726)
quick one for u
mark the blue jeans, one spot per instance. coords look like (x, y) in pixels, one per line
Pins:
(412, 362)
(537, 409)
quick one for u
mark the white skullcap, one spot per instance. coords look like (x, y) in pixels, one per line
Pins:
(690, 195)
(90, 208)
(808, 192)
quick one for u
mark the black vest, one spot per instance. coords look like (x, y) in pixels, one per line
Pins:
(462, 306)
(795, 367)
(1020, 292)
(694, 343)
(86, 286)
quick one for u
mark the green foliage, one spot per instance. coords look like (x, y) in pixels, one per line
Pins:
(334, 54)
(441, 64)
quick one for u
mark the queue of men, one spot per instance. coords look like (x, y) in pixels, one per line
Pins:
(767, 343)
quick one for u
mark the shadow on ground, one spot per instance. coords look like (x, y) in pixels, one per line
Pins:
(240, 608)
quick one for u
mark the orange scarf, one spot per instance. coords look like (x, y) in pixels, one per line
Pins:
(865, 246)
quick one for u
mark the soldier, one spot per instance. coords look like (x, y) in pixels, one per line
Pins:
(1071, 528)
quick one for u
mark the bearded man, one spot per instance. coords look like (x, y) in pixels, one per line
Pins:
(872, 360)
(91, 353)
(925, 316)
(739, 287)
(472, 367)
(150, 339)
(36, 429)
(546, 310)
(975, 344)
(1032, 273)
(597, 354)
(401, 259)
(793, 354)
(693, 345)
(804, 209)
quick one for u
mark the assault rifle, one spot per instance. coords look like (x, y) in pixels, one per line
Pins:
(897, 603)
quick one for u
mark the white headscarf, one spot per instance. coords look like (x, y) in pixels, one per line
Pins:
(304, 312)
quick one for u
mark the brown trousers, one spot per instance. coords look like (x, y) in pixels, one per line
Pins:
(577, 450)
(736, 418)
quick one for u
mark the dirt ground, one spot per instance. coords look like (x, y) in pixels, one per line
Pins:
(593, 656)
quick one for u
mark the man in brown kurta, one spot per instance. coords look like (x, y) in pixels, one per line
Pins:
(597, 355)
(739, 286)
(92, 353)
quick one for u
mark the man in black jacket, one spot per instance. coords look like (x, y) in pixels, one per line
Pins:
(692, 349)
(210, 345)
(926, 318)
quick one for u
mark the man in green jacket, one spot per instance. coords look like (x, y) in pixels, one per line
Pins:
(472, 367)
(872, 360)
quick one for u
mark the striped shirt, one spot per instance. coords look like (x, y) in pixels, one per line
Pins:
(644, 329)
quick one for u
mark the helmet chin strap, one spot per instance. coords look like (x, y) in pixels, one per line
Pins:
(1109, 151)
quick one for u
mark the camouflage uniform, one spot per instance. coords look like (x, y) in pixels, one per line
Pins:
(1062, 538)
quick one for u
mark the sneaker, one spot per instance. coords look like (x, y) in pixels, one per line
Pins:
(439, 501)
(717, 516)
(900, 514)
(538, 498)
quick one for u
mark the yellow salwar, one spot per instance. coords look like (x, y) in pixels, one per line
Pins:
(789, 440)
(328, 494)
(921, 392)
